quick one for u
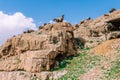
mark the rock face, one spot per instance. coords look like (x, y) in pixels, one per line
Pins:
(22, 75)
(38, 51)
(113, 35)
(95, 31)
(107, 47)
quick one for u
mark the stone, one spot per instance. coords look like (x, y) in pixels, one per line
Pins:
(39, 50)
(107, 47)
(113, 35)
(31, 55)
(95, 31)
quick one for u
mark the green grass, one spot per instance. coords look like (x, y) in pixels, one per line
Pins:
(83, 62)
(78, 65)
(114, 72)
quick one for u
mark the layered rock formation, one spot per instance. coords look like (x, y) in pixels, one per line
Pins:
(28, 54)
(95, 31)
(38, 51)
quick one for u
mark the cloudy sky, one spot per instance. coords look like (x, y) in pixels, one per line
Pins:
(18, 15)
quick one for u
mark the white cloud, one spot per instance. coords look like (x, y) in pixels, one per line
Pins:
(14, 24)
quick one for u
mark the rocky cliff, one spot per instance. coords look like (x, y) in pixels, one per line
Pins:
(31, 54)
(95, 31)
(38, 51)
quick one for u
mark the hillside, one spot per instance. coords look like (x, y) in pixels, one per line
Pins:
(62, 51)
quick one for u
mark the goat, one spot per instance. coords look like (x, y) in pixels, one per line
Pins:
(112, 10)
(59, 19)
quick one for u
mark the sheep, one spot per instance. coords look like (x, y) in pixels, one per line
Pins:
(59, 19)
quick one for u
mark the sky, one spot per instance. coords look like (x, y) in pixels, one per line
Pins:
(19, 15)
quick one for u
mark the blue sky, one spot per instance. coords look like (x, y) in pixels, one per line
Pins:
(46, 10)
(18, 15)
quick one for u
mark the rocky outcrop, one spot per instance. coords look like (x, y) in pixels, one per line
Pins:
(95, 31)
(22, 75)
(113, 35)
(38, 51)
(35, 51)
(110, 47)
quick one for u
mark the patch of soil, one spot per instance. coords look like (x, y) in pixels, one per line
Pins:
(93, 74)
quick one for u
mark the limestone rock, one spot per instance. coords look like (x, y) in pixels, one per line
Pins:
(39, 50)
(107, 47)
(113, 35)
(100, 25)
(25, 56)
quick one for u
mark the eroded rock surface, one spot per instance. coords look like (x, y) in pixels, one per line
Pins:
(95, 31)
(38, 51)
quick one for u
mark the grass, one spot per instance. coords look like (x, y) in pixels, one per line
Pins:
(78, 65)
(81, 64)
(114, 72)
